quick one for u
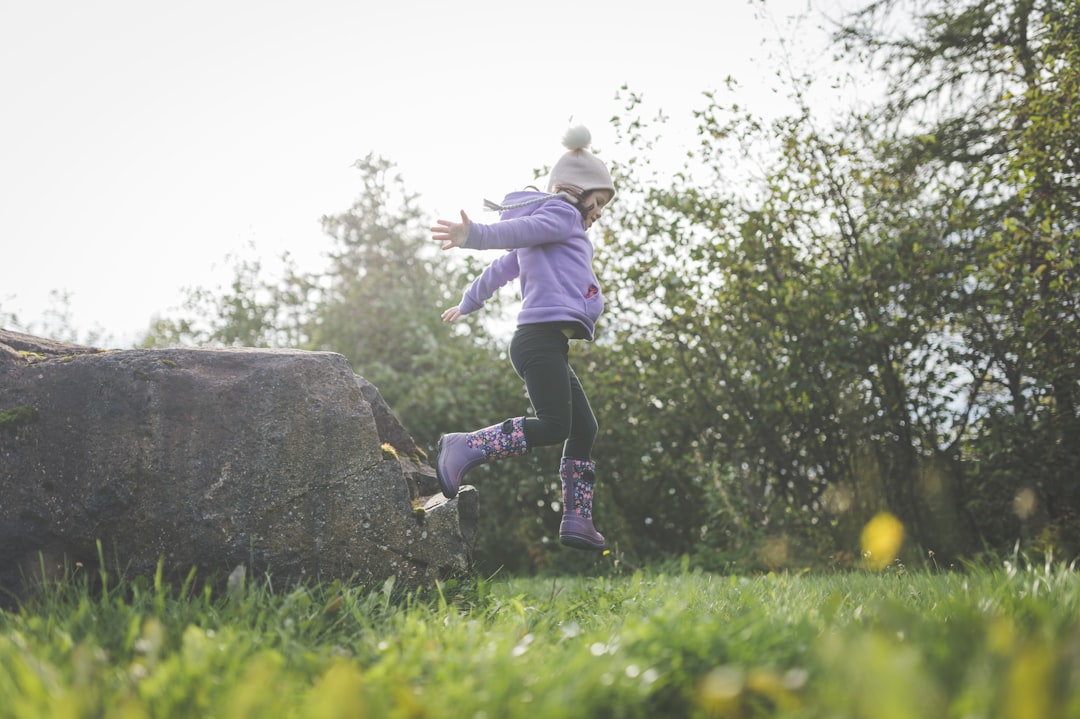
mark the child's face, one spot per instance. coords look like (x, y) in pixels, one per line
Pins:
(592, 205)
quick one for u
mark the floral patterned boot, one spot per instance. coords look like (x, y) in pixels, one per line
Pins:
(578, 480)
(461, 451)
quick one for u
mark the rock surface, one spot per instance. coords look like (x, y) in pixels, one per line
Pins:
(280, 460)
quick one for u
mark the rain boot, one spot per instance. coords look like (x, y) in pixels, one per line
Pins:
(461, 451)
(576, 530)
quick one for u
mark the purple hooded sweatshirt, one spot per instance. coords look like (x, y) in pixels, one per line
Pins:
(550, 253)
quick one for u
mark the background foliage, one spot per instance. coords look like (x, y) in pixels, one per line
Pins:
(881, 315)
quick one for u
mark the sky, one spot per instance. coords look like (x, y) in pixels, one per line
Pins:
(143, 142)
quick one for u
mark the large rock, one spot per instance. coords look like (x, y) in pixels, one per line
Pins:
(280, 460)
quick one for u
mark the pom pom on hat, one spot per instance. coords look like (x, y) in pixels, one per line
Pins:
(580, 170)
(577, 138)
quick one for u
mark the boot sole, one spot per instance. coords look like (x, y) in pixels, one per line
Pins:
(577, 541)
(447, 491)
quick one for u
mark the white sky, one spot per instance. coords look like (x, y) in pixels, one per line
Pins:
(142, 141)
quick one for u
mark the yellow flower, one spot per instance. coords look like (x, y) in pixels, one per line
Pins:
(881, 540)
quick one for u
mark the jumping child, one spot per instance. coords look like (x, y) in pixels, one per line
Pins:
(550, 254)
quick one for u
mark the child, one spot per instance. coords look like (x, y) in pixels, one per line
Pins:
(550, 254)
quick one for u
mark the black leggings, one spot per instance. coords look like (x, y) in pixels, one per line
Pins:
(540, 355)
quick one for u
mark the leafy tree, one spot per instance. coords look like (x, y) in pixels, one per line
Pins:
(256, 310)
(884, 316)
(988, 92)
(8, 319)
(795, 343)
(57, 322)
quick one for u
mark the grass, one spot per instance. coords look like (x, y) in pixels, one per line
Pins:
(989, 642)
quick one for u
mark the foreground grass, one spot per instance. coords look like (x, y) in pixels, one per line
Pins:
(1001, 642)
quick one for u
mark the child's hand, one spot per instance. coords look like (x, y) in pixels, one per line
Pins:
(451, 234)
(453, 314)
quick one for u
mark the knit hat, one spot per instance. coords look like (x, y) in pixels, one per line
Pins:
(579, 170)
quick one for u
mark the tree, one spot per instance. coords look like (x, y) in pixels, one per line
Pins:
(988, 93)
(799, 326)
(885, 316)
(257, 310)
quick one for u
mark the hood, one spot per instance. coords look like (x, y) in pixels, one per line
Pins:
(523, 203)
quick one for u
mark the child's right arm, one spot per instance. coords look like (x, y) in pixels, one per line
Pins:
(554, 221)
(498, 273)
(451, 234)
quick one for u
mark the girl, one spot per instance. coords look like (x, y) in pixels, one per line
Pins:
(550, 254)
